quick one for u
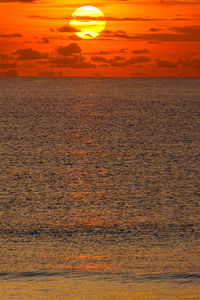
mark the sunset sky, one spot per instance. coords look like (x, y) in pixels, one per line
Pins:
(141, 38)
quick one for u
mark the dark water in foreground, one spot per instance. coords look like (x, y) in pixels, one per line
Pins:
(99, 193)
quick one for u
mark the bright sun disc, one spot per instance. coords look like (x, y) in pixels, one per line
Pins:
(88, 21)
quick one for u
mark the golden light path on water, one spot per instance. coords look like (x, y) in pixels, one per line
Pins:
(88, 21)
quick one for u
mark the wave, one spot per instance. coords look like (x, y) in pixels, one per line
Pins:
(116, 276)
(138, 228)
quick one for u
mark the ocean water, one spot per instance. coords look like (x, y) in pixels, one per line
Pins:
(99, 188)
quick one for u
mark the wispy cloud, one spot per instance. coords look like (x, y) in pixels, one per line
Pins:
(177, 34)
(175, 2)
(44, 17)
(12, 35)
(68, 29)
(10, 73)
(119, 61)
(140, 51)
(49, 74)
(180, 34)
(7, 65)
(43, 40)
(21, 1)
(116, 34)
(166, 63)
(163, 2)
(130, 19)
(107, 18)
(193, 63)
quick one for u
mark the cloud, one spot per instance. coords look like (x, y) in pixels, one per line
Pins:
(124, 19)
(49, 74)
(123, 50)
(152, 37)
(68, 29)
(90, 18)
(13, 35)
(11, 1)
(96, 74)
(5, 56)
(99, 59)
(10, 73)
(166, 63)
(29, 54)
(187, 30)
(166, 2)
(138, 74)
(7, 65)
(180, 34)
(75, 62)
(119, 61)
(154, 29)
(44, 17)
(193, 63)
(74, 38)
(140, 51)
(102, 52)
(68, 50)
(106, 18)
(114, 34)
(190, 63)
(69, 57)
(176, 2)
(44, 40)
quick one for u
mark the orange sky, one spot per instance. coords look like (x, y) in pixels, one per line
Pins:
(141, 38)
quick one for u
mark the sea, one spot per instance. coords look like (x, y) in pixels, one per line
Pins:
(99, 188)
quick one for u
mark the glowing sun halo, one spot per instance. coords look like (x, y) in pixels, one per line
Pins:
(88, 21)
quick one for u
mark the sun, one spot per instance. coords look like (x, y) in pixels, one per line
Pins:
(89, 21)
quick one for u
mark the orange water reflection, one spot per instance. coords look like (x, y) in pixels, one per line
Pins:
(88, 262)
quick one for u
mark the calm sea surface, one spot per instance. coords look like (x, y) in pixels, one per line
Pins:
(99, 194)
